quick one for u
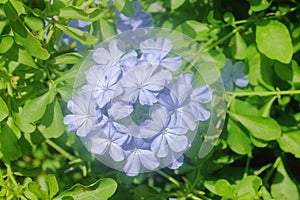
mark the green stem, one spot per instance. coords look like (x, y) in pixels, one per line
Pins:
(271, 171)
(11, 176)
(170, 178)
(60, 150)
(247, 166)
(268, 93)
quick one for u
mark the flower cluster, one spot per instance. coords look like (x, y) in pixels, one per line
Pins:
(133, 111)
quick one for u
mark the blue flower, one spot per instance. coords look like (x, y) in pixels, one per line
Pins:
(102, 83)
(84, 115)
(166, 134)
(140, 155)
(116, 111)
(183, 103)
(144, 83)
(234, 74)
(140, 19)
(103, 56)
(108, 140)
(155, 51)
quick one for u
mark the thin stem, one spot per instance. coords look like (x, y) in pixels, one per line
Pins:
(268, 93)
(247, 166)
(170, 178)
(60, 150)
(271, 171)
(11, 176)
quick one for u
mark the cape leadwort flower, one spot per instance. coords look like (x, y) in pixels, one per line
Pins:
(234, 74)
(119, 86)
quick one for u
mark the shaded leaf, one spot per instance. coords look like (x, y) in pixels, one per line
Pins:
(52, 122)
(282, 185)
(89, 15)
(237, 139)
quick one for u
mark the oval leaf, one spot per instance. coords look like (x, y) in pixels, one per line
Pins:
(100, 190)
(260, 127)
(273, 39)
(34, 109)
(237, 139)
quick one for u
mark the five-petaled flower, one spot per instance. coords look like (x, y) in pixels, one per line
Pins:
(234, 74)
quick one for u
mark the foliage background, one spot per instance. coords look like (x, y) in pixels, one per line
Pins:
(257, 156)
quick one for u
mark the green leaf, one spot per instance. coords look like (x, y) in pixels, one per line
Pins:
(52, 185)
(259, 5)
(106, 28)
(243, 108)
(9, 146)
(176, 3)
(229, 18)
(248, 187)
(52, 122)
(35, 189)
(258, 142)
(260, 127)
(283, 71)
(11, 124)
(20, 55)
(34, 23)
(24, 126)
(194, 29)
(283, 187)
(265, 110)
(6, 42)
(238, 47)
(3, 1)
(77, 34)
(289, 142)
(224, 189)
(100, 190)
(254, 62)
(89, 15)
(35, 108)
(68, 58)
(273, 40)
(125, 7)
(237, 139)
(3, 110)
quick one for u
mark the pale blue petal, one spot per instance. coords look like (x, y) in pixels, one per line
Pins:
(172, 63)
(202, 94)
(177, 143)
(148, 160)
(133, 164)
(99, 145)
(242, 82)
(116, 152)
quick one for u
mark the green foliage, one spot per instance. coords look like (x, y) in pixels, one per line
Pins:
(258, 153)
